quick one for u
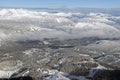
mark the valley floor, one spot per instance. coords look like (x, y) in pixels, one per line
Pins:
(49, 59)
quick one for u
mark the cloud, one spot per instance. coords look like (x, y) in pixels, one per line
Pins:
(21, 24)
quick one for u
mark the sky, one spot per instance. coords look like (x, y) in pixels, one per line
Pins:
(61, 3)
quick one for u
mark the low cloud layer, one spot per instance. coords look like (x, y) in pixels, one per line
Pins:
(21, 24)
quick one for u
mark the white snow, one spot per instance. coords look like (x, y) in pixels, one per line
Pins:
(31, 51)
(44, 60)
(6, 74)
(58, 75)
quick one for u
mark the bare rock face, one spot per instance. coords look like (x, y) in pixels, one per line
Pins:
(84, 68)
(74, 62)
